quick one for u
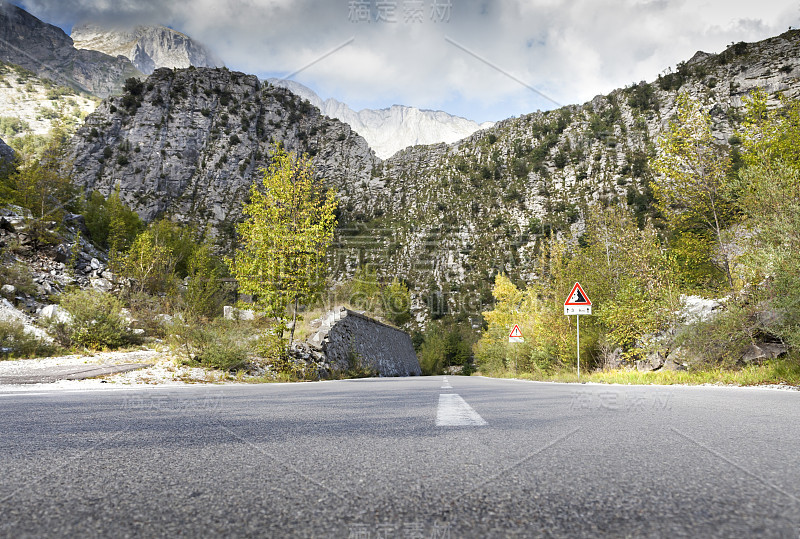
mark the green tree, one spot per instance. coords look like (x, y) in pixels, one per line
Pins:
(150, 263)
(39, 185)
(288, 226)
(692, 190)
(397, 302)
(111, 223)
(770, 201)
(365, 289)
(203, 290)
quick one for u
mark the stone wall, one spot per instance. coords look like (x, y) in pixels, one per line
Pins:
(345, 334)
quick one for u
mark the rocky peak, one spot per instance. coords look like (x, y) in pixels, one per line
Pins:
(190, 142)
(47, 51)
(391, 129)
(148, 47)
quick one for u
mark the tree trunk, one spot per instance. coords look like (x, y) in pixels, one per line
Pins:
(294, 323)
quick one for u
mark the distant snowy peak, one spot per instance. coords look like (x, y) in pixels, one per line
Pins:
(390, 130)
(147, 47)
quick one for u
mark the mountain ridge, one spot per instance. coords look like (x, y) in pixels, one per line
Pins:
(49, 52)
(147, 47)
(444, 218)
(391, 129)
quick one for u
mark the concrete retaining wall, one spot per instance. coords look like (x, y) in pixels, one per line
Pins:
(344, 334)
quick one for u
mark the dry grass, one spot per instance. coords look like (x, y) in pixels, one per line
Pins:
(777, 372)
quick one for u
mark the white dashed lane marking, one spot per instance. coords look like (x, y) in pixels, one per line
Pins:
(446, 384)
(454, 411)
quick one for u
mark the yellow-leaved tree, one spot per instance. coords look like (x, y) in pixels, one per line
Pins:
(288, 226)
(693, 191)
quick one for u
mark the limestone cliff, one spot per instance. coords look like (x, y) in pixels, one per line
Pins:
(190, 142)
(148, 47)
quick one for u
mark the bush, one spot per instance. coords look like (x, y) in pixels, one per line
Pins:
(97, 320)
(445, 345)
(17, 274)
(720, 341)
(222, 344)
(17, 343)
(110, 222)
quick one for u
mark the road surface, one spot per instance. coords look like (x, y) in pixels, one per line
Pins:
(401, 457)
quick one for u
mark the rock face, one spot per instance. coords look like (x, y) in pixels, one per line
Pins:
(49, 52)
(6, 152)
(390, 130)
(190, 142)
(348, 339)
(147, 47)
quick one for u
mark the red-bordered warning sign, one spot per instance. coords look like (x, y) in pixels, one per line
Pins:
(577, 296)
(515, 335)
(577, 302)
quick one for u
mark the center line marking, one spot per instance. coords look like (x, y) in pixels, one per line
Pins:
(446, 384)
(454, 411)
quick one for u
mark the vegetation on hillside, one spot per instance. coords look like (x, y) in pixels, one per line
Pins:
(720, 232)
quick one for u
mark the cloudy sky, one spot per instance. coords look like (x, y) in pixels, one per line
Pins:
(481, 59)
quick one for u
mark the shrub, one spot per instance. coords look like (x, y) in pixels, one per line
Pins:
(97, 320)
(203, 293)
(17, 274)
(18, 343)
(721, 340)
(222, 344)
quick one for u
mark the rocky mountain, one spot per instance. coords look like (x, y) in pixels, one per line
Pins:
(446, 218)
(47, 51)
(391, 129)
(147, 47)
(189, 143)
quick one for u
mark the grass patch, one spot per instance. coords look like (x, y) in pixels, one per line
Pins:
(784, 371)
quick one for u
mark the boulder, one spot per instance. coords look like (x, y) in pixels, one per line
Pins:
(7, 225)
(232, 313)
(14, 212)
(761, 351)
(9, 313)
(7, 153)
(103, 285)
(76, 222)
(652, 362)
(698, 309)
(56, 313)
(8, 289)
(679, 359)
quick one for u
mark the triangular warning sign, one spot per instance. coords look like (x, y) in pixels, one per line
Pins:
(577, 296)
(515, 332)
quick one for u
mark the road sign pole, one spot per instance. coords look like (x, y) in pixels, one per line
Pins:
(579, 346)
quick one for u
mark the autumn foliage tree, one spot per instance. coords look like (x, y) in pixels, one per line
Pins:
(693, 191)
(288, 226)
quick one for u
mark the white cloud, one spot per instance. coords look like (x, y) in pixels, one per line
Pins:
(569, 49)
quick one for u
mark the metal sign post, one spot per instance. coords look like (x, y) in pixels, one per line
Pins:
(578, 303)
(515, 336)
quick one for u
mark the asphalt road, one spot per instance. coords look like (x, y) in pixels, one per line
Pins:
(402, 457)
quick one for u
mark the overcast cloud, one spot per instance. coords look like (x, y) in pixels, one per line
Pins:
(570, 50)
